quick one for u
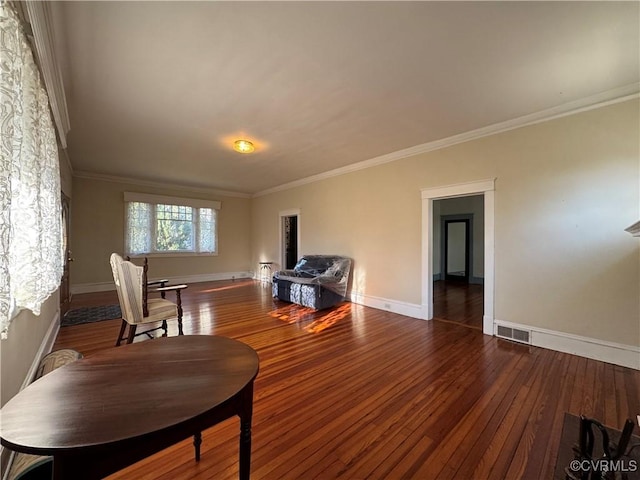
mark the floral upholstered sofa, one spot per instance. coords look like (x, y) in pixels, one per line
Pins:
(317, 281)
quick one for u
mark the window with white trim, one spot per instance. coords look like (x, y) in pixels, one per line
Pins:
(156, 224)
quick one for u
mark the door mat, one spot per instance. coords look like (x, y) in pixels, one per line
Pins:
(78, 316)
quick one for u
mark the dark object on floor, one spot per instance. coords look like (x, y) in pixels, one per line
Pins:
(589, 451)
(78, 316)
(317, 281)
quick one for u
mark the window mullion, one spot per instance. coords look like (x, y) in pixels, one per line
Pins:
(154, 228)
(196, 228)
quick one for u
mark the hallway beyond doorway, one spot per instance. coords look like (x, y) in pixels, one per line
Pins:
(461, 303)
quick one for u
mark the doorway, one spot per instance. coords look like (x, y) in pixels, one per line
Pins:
(65, 290)
(456, 245)
(458, 292)
(289, 238)
(431, 249)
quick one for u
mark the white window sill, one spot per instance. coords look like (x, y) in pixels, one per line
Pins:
(172, 254)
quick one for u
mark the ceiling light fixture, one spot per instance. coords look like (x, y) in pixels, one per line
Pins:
(243, 146)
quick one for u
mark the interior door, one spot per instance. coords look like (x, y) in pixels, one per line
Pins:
(290, 241)
(65, 290)
(456, 250)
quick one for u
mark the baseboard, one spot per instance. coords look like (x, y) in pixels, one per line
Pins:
(596, 349)
(266, 277)
(6, 455)
(402, 308)
(207, 277)
(437, 277)
(45, 347)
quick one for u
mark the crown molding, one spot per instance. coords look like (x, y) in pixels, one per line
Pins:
(149, 183)
(610, 97)
(39, 16)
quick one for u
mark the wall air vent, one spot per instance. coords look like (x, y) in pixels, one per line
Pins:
(515, 334)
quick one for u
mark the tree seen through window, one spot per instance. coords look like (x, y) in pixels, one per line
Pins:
(174, 228)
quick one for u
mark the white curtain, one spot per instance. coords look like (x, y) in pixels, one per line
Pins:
(31, 257)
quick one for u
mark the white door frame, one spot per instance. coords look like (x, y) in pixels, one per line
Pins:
(483, 187)
(294, 212)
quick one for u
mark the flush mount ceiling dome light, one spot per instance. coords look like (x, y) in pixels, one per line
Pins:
(243, 146)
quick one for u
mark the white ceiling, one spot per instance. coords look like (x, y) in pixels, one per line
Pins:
(157, 91)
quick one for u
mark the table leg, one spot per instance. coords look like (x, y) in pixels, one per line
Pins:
(197, 441)
(245, 432)
(245, 450)
(58, 469)
(74, 467)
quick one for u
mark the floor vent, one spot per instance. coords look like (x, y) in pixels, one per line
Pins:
(522, 336)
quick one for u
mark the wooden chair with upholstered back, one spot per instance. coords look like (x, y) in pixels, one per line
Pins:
(136, 306)
(152, 283)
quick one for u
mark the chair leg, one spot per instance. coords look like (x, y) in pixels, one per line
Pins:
(132, 333)
(197, 441)
(164, 327)
(179, 304)
(122, 327)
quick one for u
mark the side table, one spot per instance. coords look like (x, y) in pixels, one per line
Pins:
(265, 271)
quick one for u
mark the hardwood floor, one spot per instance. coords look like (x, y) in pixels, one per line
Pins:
(358, 393)
(461, 303)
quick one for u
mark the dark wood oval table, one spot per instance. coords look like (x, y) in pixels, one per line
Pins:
(111, 409)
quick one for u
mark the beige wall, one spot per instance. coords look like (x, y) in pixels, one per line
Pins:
(565, 191)
(97, 230)
(17, 353)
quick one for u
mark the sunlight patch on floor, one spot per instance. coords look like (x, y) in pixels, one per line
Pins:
(330, 319)
(320, 320)
(236, 284)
